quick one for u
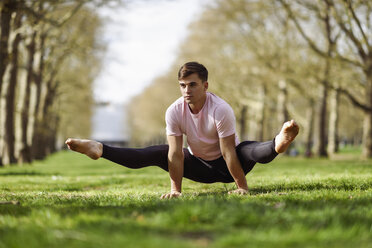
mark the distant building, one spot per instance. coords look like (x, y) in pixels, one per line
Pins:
(109, 124)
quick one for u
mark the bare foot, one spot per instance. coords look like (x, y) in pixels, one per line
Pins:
(91, 148)
(286, 136)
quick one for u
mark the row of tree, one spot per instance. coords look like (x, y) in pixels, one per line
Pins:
(277, 60)
(49, 56)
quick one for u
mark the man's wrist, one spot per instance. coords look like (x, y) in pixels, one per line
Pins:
(242, 185)
(176, 186)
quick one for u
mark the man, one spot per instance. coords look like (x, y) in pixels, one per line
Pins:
(214, 153)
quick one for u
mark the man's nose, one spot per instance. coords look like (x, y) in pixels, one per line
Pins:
(188, 89)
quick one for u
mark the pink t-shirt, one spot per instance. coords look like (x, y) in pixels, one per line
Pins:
(215, 120)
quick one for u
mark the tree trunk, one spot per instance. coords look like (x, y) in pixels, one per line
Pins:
(283, 114)
(39, 74)
(261, 114)
(309, 131)
(322, 127)
(243, 124)
(38, 127)
(6, 15)
(26, 155)
(10, 96)
(367, 128)
(333, 123)
(46, 132)
(52, 134)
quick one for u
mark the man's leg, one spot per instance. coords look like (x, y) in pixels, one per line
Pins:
(138, 158)
(133, 158)
(157, 155)
(252, 152)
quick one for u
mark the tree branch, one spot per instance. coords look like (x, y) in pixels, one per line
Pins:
(312, 44)
(357, 22)
(300, 29)
(354, 100)
(56, 23)
(349, 33)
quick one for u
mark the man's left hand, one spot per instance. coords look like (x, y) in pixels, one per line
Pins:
(172, 194)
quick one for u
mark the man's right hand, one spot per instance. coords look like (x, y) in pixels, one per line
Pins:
(172, 194)
(239, 191)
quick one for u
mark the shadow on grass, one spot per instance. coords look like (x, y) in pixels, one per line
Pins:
(27, 173)
(346, 185)
(15, 210)
(215, 204)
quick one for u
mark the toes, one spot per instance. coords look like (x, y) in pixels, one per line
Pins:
(287, 124)
(294, 123)
(291, 125)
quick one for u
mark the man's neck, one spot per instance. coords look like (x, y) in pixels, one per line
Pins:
(195, 108)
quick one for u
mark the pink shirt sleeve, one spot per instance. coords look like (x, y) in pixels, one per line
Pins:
(172, 122)
(225, 120)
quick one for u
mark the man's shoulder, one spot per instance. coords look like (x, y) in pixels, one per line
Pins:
(217, 102)
(176, 105)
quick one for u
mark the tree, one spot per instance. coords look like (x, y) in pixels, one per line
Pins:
(354, 47)
(49, 43)
(10, 93)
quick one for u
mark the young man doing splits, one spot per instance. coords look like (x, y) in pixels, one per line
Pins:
(214, 153)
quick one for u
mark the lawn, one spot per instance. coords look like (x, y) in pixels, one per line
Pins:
(69, 200)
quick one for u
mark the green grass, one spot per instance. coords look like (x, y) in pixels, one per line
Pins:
(71, 201)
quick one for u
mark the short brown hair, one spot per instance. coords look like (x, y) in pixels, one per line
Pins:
(193, 67)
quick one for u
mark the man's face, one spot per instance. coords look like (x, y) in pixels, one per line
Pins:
(193, 89)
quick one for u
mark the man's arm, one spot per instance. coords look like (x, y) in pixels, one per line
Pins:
(228, 151)
(175, 165)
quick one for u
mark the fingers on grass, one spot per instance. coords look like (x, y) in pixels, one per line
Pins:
(238, 192)
(170, 195)
(165, 196)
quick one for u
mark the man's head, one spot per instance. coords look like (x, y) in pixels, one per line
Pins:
(193, 77)
(193, 67)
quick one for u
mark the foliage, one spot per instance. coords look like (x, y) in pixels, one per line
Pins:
(70, 200)
(147, 110)
(78, 74)
(249, 48)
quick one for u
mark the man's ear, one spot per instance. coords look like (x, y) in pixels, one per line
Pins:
(205, 85)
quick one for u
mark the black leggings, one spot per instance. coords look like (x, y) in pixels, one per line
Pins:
(196, 169)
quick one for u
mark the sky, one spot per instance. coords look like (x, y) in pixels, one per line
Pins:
(142, 40)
